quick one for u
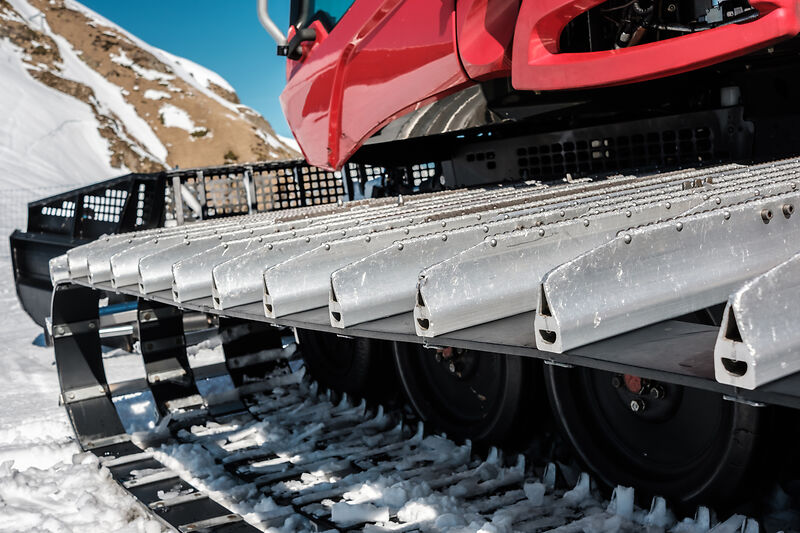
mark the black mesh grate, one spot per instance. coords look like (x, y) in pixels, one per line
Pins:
(321, 186)
(423, 172)
(65, 210)
(587, 156)
(225, 194)
(276, 189)
(106, 207)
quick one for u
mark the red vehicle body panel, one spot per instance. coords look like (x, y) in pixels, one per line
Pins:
(388, 57)
(384, 58)
(537, 65)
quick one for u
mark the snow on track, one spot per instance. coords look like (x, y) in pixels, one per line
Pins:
(298, 461)
(46, 483)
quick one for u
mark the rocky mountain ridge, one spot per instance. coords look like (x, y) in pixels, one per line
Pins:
(150, 109)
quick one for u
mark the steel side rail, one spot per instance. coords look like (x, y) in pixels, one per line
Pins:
(759, 340)
(663, 271)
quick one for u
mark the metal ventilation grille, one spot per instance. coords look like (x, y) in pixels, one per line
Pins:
(672, 147)
(423, 172)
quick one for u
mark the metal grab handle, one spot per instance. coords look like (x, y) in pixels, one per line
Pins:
(295, 50)
(269, 25)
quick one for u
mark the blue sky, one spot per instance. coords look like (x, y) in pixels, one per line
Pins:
(223, 36)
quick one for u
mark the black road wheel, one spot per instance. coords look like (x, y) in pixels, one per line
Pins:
(688, 445)
(360, 367)
(469, 394)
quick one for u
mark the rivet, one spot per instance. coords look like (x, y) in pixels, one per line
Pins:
(628, 214)
(367, 238)
(60, 330)
(400, 246)
(726, 215)
(444, 224)
(444, 237)
(541, 232)
(269, 247)
(586, 222)
(788, 210)
(679, 226)
(627, 239)
(718, 200)
(486, 229)
(562, 213)
(478, 216)
(668, 205)
(327, 246)
(308, 239)
(766, 215)
(92, 325)
(406, 231)
(493, 243)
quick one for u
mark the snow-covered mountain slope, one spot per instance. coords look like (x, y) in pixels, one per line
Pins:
(81, 99)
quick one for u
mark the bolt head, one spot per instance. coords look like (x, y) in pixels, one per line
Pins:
(656, 392)
(637, 405)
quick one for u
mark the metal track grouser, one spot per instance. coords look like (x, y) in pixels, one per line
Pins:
(615, 284)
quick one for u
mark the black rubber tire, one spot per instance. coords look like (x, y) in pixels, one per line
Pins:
(486, 405)
(362, 368)
(696, 449)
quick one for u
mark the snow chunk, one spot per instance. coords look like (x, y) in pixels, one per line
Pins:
(535, 493)
(175, 117)
(200, 73)
(152, 94)
(122, 59)
(417, 511)
(355, 513)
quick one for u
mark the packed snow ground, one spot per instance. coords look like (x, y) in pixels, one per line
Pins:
(46, 483)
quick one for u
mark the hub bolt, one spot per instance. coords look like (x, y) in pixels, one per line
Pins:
(616, 382)
(637, 405)
(656, 392)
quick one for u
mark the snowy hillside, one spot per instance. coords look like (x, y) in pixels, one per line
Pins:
(81, 99)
